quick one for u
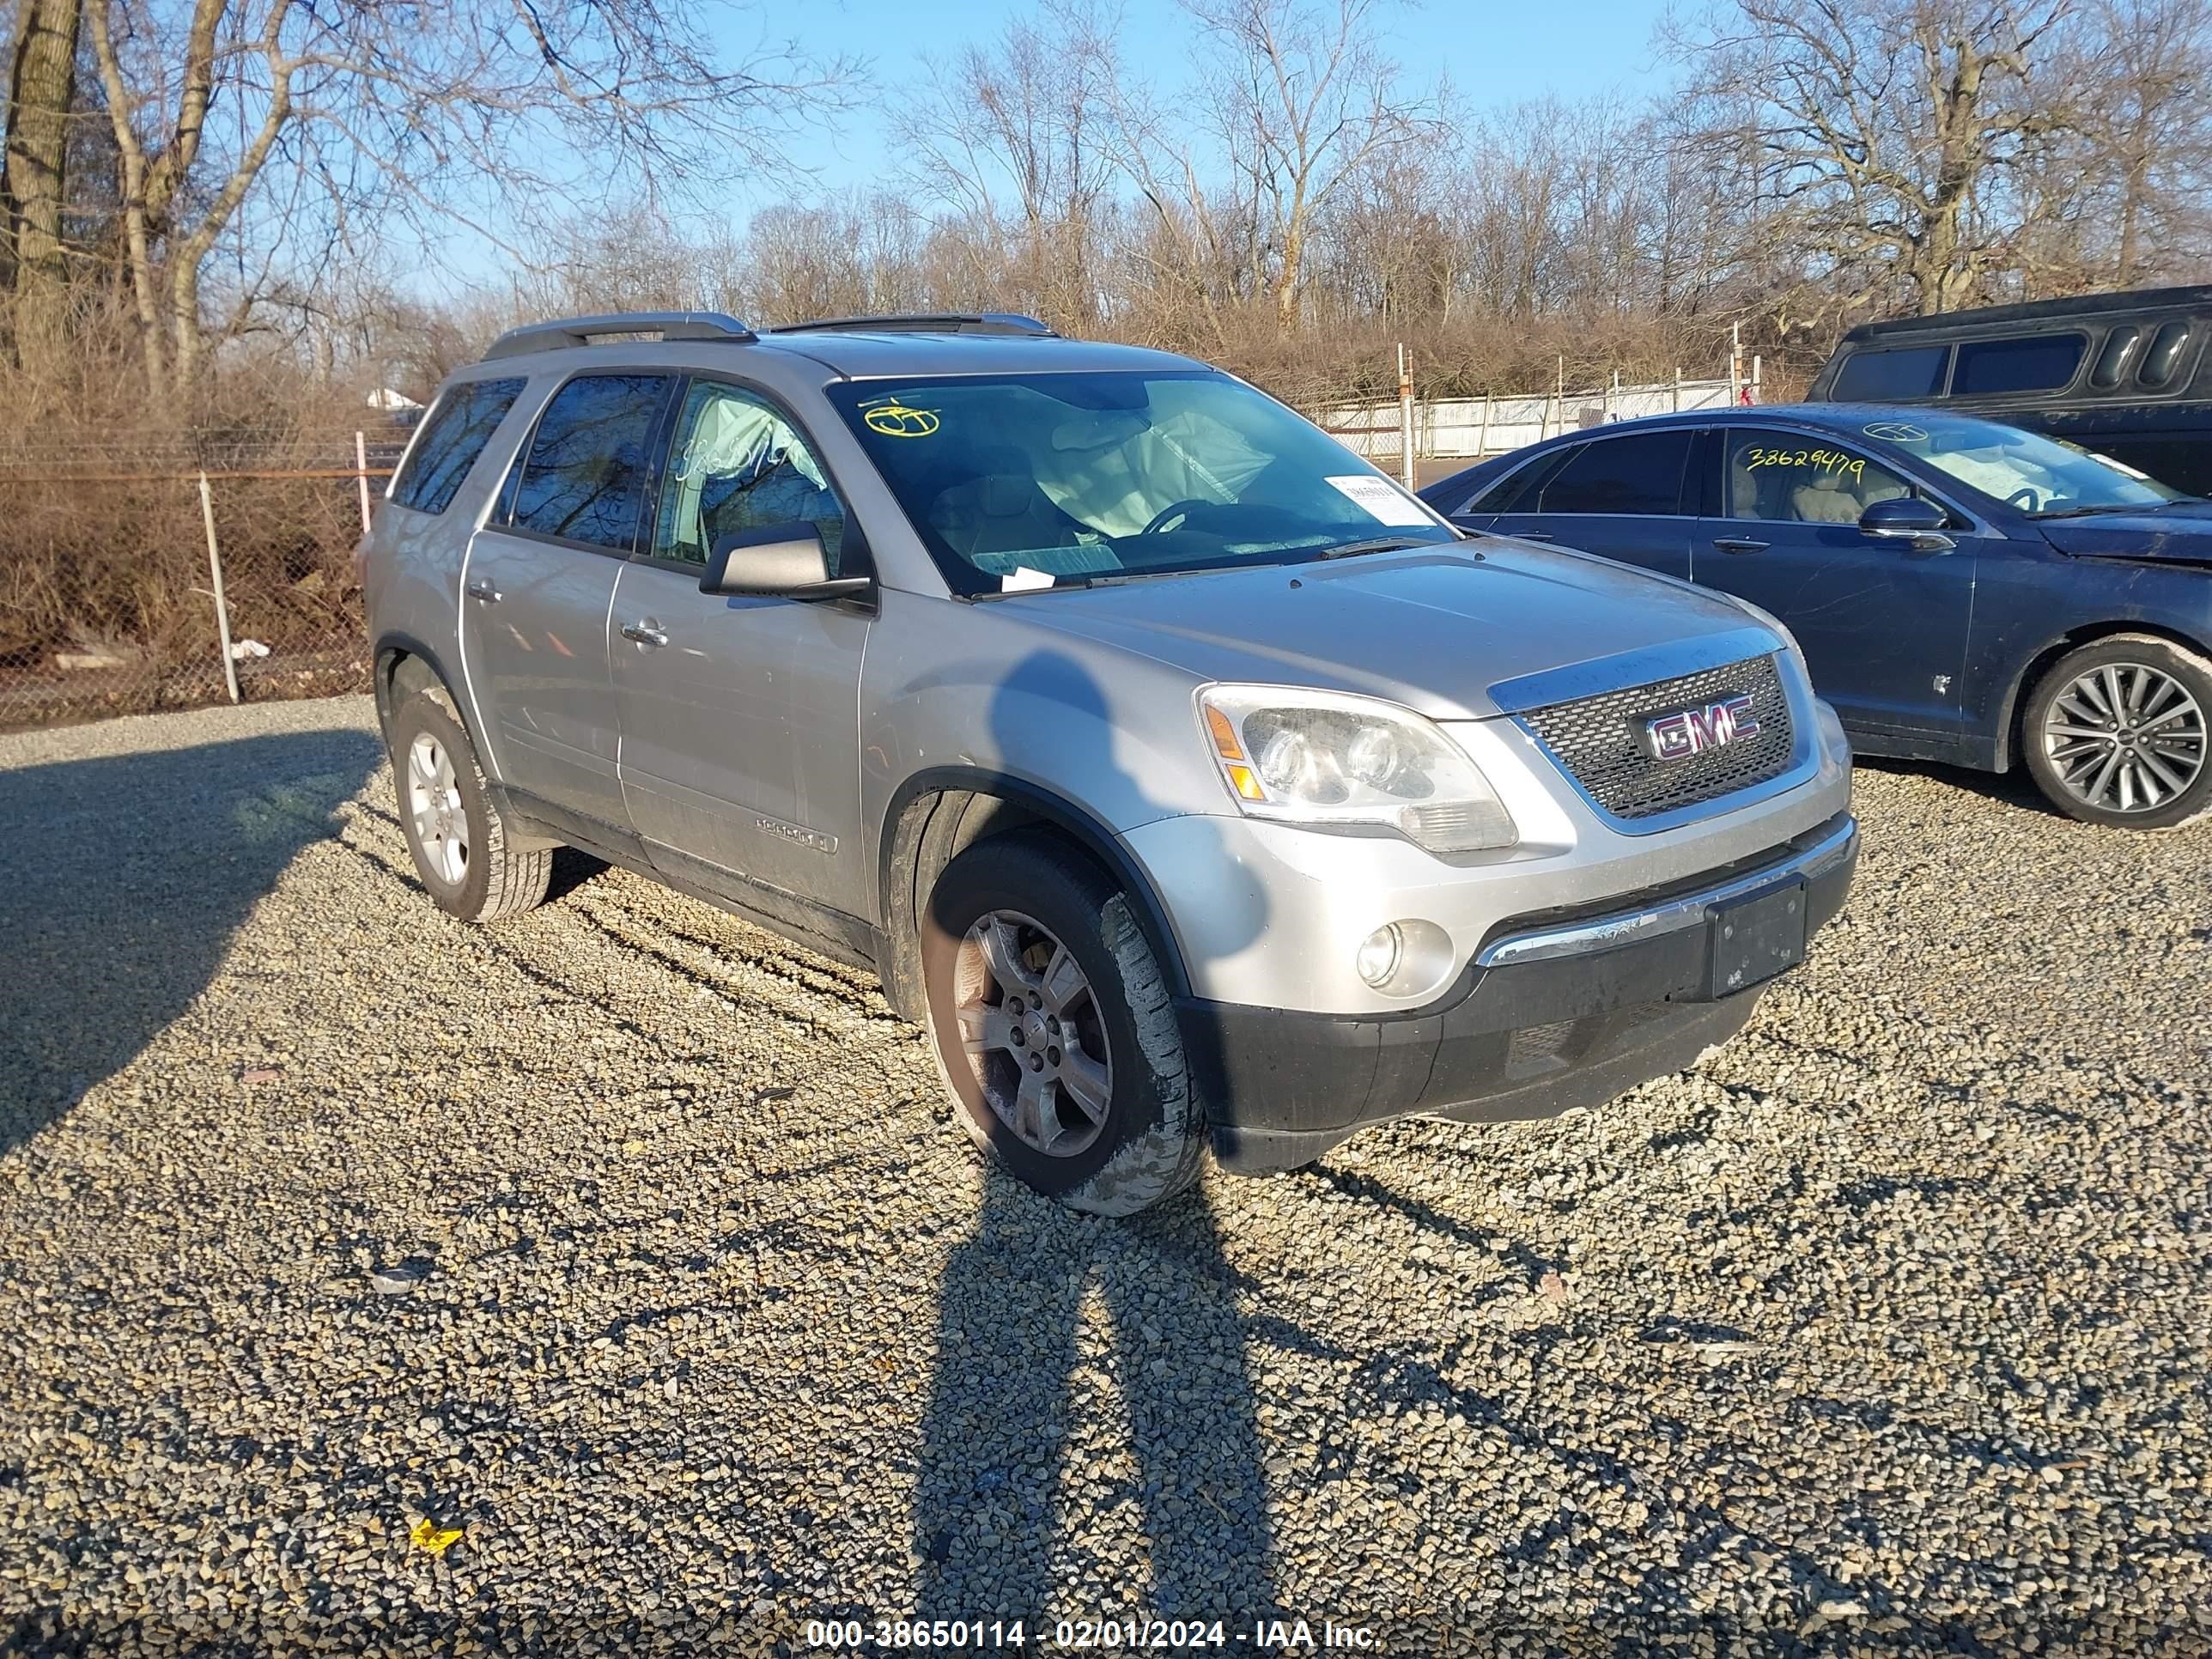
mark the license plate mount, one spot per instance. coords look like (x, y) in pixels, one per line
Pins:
(1752, 940)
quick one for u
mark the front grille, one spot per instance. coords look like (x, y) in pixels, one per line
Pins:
(1600, 740)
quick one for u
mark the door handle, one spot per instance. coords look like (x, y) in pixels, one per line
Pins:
(1529, 535)
(1740, 544)
(481, 588)
(644, 634)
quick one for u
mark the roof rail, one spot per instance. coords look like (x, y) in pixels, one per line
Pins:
(582, 330)
(978, 322)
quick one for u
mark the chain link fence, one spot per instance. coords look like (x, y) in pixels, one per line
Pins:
(112, 553)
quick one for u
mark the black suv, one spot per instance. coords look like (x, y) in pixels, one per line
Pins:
(2124, 375)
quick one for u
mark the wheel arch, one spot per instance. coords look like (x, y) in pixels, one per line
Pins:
(2014, 715)
(939, 813)
(405, 665)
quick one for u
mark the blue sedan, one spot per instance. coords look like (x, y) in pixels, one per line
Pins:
(1963, 591)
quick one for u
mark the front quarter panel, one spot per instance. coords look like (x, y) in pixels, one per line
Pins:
(2031, 599)
(979, 689)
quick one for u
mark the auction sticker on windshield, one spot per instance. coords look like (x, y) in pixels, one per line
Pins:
(1382, 499)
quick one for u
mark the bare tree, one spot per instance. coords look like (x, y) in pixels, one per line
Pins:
(1301, 97)
(350, 111)
(1885, 131)
(1024, 117)
(2146, 79)
(41, 94)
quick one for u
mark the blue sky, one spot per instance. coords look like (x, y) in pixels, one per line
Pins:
(1497, 53)
(1494, 55)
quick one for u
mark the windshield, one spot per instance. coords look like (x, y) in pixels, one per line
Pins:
(2037, 474)
(1019, 481)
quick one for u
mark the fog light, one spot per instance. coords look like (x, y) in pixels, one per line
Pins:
(1380, 954)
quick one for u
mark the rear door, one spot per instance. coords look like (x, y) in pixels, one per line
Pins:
(539, 579)
(740, 715)
(1619, 496)
(1883, 627)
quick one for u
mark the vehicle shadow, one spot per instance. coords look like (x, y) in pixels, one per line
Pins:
(128, 876)
(1041, 1461)
(2014, 788)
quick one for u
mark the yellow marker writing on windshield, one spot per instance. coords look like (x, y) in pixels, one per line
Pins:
(894, 420)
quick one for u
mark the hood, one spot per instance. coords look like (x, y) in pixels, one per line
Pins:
(1433, 628)
(2180, 534)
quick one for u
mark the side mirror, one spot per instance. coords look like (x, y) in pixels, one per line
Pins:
(784, 561)
(1911, 519)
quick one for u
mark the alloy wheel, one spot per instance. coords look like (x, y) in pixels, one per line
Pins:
(2124, 737)
(1033, 1033)
(434, 803)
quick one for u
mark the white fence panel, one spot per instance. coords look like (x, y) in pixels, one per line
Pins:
(1470, 427)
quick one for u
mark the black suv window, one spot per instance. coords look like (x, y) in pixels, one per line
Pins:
(589, 464)
(453, 437)
(1882, 377)
(2164, 356)
(2032, 362)
(1640, 474)
(2119, 351)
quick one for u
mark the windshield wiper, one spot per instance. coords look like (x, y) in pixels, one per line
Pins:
(2132, 507)
(1373, 545)
(1068, 583)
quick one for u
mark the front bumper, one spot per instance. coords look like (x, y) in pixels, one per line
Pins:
(1556, 1011)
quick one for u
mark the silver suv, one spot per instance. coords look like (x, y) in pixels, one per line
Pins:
(1193, 783)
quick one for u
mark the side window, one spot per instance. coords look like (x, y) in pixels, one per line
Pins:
(738, 464)
(1501, 494)
(590, 460)
(2032, 362)
(2158, 363)
(1640, 474)
(453, 438)
(1789, 478)
(1884, 376)
(2119, 351)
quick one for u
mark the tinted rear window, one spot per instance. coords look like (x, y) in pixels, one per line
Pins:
(2035, 362)
(2164, 356)
(1621, 474)
(1883, 377)
(591, 459)
(2119, 351)
(451, 439)
(1500, 495)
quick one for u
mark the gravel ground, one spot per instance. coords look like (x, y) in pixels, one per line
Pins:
(635, 1247)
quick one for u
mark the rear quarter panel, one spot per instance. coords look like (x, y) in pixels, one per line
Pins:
(412, 564)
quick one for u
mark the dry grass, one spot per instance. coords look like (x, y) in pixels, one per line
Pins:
(103, 550)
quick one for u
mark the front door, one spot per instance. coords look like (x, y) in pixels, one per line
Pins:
(537, 585)
(740, 720)
(1883, 627)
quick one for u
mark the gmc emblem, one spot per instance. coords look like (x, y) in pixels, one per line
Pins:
(1688, 732)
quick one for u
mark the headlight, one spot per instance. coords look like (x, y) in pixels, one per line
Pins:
(1333, 762)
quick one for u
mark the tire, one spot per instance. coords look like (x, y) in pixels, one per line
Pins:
(2093, 764)
(1149, 1141)
(487, 879)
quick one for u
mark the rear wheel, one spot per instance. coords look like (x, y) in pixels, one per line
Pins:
(458, 838)
(2116, 733)
(1054, 1028)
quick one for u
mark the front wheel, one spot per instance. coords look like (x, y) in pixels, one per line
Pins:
(2116, 733)
(1054, 1027)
